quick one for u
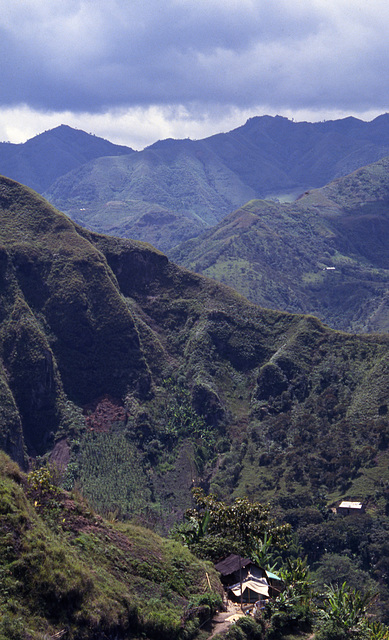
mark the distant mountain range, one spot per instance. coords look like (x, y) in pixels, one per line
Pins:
(175, 189)
(326, 254)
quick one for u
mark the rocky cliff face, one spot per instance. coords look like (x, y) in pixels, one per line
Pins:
(66, 330)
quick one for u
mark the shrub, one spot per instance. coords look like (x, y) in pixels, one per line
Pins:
(236, 633)
(344, 613)
(210, 599)
(253, 630)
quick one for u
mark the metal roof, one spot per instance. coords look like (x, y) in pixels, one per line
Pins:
(350, 505)
(272, 576)
(231, 564)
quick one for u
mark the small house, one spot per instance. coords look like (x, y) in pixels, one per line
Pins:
(347, 507)
(245, 581)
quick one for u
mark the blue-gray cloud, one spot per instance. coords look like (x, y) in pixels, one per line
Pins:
(90, 55)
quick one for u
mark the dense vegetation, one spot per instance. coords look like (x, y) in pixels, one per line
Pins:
(67, 572)
(143, 380)
(300, 605)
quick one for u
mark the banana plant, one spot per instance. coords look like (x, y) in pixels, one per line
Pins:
(262, 552)
(346, 607)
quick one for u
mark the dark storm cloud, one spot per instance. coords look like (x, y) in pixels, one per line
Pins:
(92, 56)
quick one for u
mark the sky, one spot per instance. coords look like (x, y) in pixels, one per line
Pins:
(136, 71)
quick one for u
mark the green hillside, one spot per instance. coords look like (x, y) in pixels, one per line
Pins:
(87, 317)
(141, 379)
(153, 195)
(324, 254)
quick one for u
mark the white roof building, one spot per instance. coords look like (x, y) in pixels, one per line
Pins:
(348, 506)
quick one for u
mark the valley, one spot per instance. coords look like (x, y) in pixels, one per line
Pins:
(126, 381)
(203, 203)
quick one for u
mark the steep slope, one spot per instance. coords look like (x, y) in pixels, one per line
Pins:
(54, 283)
(175, 188)
(66, 572)
(46, 157)
(152, 378)
(324, 254)
(282, 155)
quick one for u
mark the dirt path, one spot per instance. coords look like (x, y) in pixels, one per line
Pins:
(222, 621)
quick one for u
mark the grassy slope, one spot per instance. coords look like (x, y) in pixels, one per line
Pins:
(164, 198)
(277, 255)
(42, 159)
(64, 568)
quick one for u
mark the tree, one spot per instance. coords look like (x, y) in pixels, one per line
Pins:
(240, 527)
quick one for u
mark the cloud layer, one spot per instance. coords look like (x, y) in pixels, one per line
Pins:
(90, 56)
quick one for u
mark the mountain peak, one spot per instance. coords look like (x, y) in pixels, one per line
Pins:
(41, 160)
(67, 133)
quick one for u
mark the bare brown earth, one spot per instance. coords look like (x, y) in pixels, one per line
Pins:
(223, 620)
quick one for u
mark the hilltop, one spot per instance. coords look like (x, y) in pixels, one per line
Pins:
(51, 154)
(323, 254)
(174, 189)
